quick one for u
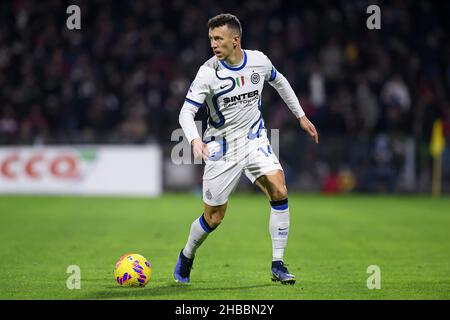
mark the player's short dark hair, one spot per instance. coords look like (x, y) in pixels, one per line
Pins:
(231, 21)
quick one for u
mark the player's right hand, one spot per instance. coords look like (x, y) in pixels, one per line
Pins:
(200, 149)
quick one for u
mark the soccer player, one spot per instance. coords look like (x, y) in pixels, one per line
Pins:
(231, 83)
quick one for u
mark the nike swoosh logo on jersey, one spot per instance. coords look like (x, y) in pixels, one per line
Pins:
(224, 86)
(282, 229)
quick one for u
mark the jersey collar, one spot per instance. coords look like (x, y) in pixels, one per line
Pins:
(244, 62)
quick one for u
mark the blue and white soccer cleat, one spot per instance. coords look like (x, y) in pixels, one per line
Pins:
(280, 273)
(183, 268)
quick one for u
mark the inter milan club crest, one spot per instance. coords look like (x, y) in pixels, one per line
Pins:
(255, 78)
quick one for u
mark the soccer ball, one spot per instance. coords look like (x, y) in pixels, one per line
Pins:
(132, 270)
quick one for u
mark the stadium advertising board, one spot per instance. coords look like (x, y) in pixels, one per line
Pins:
(82, 170)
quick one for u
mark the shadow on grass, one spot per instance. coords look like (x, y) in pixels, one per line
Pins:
(173, 290)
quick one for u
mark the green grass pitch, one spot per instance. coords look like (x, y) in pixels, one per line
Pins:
(332, 241)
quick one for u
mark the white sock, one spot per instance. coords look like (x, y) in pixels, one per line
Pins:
(199, 232)
(279, 230)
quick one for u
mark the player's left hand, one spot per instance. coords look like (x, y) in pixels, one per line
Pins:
(309, 128)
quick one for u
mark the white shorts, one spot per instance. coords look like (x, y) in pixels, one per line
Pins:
(222, 176)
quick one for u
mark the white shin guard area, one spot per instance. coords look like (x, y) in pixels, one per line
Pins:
(279, 231)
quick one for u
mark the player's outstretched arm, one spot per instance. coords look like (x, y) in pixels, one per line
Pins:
(284, 89)
(309, 128)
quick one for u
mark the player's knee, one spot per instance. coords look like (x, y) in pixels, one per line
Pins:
(214, 218)
(279, 193)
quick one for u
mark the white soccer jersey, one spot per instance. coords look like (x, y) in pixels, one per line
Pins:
(233, 96)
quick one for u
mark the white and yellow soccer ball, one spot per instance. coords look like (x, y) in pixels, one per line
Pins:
(132, 270)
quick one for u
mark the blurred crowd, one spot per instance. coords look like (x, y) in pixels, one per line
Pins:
(122, 78)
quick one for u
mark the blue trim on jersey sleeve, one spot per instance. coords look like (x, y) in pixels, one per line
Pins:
(273, 74)
(193, 102)
(236, 68)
